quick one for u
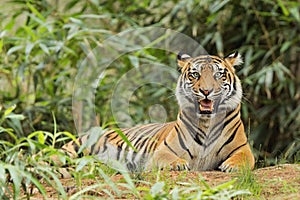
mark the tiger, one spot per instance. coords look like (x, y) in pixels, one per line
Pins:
(208, 133)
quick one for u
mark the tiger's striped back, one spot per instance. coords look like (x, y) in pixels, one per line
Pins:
(208, 133)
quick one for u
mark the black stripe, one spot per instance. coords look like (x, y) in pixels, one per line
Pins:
(119, 152)
(204, 59)
(121, 142)
(218, 126)
(229, 155)
(146, 147)
(229, 77)
(105, 145)
(181, 142)
(230, 139)
(234, 83)
(218, 59)
(216, 63)
(75, 146)
(152, 145)
(141, 143)
(192, 131)
(196, 138)
(114, 137)
(230, 113)
(232, 127)
(223, 126)
(197, 127)
(143, 151)
(131, 166)
(165, 143)
(110, 132)
(227, 121)
(93, 146)
(134, 154)
(190, 99)
(215, 134)
(190, 126)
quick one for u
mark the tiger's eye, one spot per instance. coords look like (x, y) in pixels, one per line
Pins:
(195, 75)
(217, 75)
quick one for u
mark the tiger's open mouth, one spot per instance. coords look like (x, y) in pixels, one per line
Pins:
(206, 106)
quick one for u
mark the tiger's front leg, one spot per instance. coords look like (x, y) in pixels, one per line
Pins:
(163, 159)
(241, 158)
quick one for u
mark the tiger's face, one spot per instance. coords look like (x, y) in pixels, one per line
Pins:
(209, 83)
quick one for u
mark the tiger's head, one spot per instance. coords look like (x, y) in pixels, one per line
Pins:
(208, 83)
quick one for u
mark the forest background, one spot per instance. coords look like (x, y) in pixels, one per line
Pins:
(43, 43)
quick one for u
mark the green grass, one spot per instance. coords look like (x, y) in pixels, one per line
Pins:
(247, 180)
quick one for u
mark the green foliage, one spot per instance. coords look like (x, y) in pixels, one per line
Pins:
(16, 176)
(40, 50)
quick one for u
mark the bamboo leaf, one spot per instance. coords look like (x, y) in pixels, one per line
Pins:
(14, 49)
(269, 79)
(134, 60)
(219, 42)
(123, 136)
(44, 48)
(85, 190)
(295, 12)
(285, 46)
(157, 188)
(16, 178)
(41, 138)
(217, 5)
(283, 8)
(15, 116)
(31, 33)
(2, 174)
(35, 11)
(109, 182)
(9, 110)
(1, 45)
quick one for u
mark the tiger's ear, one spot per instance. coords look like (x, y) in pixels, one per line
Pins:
(182, 59)
(234, 59)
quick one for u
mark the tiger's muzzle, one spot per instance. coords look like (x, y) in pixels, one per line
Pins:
(206, 106)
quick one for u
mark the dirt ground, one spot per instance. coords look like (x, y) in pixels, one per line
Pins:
(276, 183)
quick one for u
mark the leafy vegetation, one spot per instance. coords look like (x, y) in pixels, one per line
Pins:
(43, 44)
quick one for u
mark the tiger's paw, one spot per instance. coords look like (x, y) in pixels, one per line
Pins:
(238, 161)
(229, 165)
(179, 165)
(233, 164)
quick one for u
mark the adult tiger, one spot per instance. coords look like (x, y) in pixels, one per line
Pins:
(208, 133)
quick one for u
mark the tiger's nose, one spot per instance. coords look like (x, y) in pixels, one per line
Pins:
(206, 92)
